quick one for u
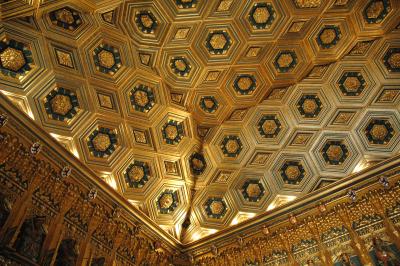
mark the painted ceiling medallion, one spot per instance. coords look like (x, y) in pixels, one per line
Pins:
(253, 190)
(61, 104)
(231, 146)
(392, 60)
(269, 126)
(197, 163)
(186, 3)
(262, 15)
(218, 42)
(142, 98)
(107, 59)
(335, 152)
(146, 21)
(352, 83)
(167, 201)
(329, 36)
(292, 172)
(66, 18)
(376, 11)
(209, 104)
(285, 61)
(215, 208)
(15, 58)
(102, 142)
(137, 174)
(307, 3)
(172, 132)
(309, 106)
(245, 84)
(379, 131)
(180, 66)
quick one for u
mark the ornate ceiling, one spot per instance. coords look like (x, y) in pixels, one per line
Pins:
(206, 113)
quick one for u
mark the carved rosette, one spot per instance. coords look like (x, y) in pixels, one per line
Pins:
(61, 104)
(218, 42)
(142, 98)
(66, 18)
(197, 163)
(245, 84)
(376, 11)
(269, 126)
(231, 146)
(309, 106)
(146, 21)
(215, 208)
(167, 201)
(352, 83)
(285, 61)
(102, 142)
(335, 152)
(15, 58)
(262, 15)
(172, 132)
(180, 66)
(392, 60)
(379, 131)
(253, 190)
(107, 59)
(329, 36)
(209, 104)
(292, 172)
(137, 174)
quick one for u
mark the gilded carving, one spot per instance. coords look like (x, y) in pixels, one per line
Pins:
(101, 142)
(141, 98)
(146, 20)
(224, 5)
(253, 190)
(285, 60)
(245, 83)
(64, 59)
(293, 172)
(12, 59)
(232, 146)
(65, 16)
(218, 41)
(217, 207)
(307, 3)
(106, 59)
(379, 132)
(136, 173)
(334, 152)
(166, 201)
(261, 15)
(328, 36)
(181, 33)
(310, 106)
(171, 131)
(269, 127)
(297, 26)
(375, 9)
(301, 139)
(61, 104)
(352, 84)
(140, 136)
(394, 60)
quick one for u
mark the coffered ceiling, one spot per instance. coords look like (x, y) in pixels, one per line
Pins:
(206, 113)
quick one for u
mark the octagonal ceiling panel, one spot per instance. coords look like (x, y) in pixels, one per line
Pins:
(206, 113)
